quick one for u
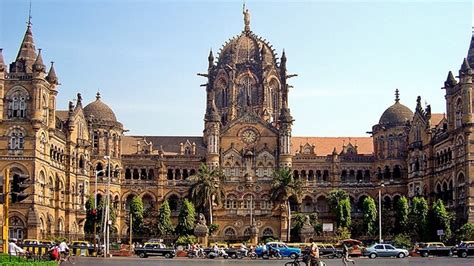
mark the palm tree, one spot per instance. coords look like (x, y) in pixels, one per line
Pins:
(205, 188)
(284, 186)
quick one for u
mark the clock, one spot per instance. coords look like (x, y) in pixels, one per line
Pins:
(249, 136)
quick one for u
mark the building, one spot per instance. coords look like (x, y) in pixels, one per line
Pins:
(247, 133)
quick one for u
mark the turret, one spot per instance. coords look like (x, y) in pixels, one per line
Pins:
(465, 83)
(51, 77)
(212, 135)
(284, 137)
(39, 69)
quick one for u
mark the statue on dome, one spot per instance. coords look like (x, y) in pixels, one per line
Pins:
(246, 18)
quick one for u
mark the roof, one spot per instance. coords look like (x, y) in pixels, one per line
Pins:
(99, 110)
(326, 145)
(396, 115)
(62, 114)
(436, 119)
(170, 144)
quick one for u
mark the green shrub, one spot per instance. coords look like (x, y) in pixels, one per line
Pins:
(184, 240)
(465, 232)
(7, 260)
(402, 241)
(213, 228)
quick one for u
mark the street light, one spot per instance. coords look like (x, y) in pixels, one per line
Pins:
(107, 210)
(380, 211)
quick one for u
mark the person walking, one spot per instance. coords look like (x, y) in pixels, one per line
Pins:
(345, 255)
(314, 254)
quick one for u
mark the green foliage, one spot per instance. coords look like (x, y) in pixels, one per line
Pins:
(418, 216)
(136, 210)
(334, 197)
(184, 240)
(342, 233)
(186, 218)
(402, 241)
(344, 213)
(205, 187)
(285, 185)
(369, 211)
(90, 217)
(213, 228)
(401, 215)
(7, 260)
(440, 219)
(465, 232)
(164, 225)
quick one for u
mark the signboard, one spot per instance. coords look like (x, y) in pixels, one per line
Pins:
(440, 232)
(328, 227)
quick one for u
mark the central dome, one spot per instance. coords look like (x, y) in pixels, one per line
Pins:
(100, 110)
(246, 48)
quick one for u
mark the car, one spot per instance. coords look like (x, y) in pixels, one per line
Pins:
(384, 250)
(285, 251)
(328, 250)
(155, 249)
(464, 249)
(434, 249)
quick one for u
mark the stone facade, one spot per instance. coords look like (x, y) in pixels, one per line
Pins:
(247, 133)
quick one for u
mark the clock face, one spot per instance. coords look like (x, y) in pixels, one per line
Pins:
(249, 136)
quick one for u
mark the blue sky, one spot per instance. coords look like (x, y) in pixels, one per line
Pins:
(143, 56)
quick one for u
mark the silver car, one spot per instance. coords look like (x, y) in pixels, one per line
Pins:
(384, 250)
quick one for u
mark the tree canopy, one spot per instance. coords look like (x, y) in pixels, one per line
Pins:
(369, 211)
(186, 218)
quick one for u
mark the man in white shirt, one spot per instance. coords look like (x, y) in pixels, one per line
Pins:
(63, 248)
(14, 249)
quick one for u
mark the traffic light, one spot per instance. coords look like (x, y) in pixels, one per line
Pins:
(19, 185)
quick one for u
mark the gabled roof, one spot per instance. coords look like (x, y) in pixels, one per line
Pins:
(326, 145)
(170, 144)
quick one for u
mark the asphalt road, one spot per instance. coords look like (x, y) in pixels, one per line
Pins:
(128, 261)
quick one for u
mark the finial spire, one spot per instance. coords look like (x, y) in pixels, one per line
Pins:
(246, 13)
(51, 77)
(29, 16)
(97, 95)
(397, 96)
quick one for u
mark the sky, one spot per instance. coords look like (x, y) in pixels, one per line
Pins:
(143, 56)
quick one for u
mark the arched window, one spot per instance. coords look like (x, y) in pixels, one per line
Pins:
(170, 175)
(173, 201)
(387, 203)
(17, 103)
(16, 228)
(461, 189)
(267, 232)
(151, 174)
(16, 141)
(386, 173)
(344, 176)
(458, 113)
(307, 204)
(397, 172)
(229, 232)
(42, 184)
(128, 173)
(231, 202)
(116, 202)
(322, 204)
(99, 167)
(128, 201)
(147, 202)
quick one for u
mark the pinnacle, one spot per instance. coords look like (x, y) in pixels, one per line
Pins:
(52, 78)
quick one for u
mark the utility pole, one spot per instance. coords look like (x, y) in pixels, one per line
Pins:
(380, 211)
(6, 185)
(107, 245)
(131, 220)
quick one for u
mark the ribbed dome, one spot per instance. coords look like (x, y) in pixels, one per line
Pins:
(246, 47)
(396, 115)
(100, 110)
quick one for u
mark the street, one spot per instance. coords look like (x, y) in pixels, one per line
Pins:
(118, 261)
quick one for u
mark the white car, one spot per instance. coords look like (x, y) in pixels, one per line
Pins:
(384, 250)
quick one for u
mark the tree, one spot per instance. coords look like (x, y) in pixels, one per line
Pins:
(440, 219)
(344, 213)
(283, 187)
(369, 211)
(91, 216)
(206, 188)
(401, 215)
(341, 207)
(136, 210)
(419, 216)
(164, 225)
(186, 218)
(465, 232)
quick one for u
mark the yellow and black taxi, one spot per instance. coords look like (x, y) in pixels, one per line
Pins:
(464, 249)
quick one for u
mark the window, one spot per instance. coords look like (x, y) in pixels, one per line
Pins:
(458, 114)
(16, 140)
(389, 247)
(17, 103)
(379, 247)
(95, 138)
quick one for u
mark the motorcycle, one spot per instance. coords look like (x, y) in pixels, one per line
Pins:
(272, 253)
(196, 254)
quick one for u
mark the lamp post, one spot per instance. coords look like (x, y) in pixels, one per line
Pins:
(107, 210)
(380, 211)
(95, 209)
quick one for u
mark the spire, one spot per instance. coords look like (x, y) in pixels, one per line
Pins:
(465, 65)
(470, 52)
(38, 65)
(283, 60)
(27, 50)
(210, 58)
(97, 96)
(418, 104)
(397, 96)
(450, 80)
(51, 77)
(79, 100)
(3, 67)
(246, 18)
